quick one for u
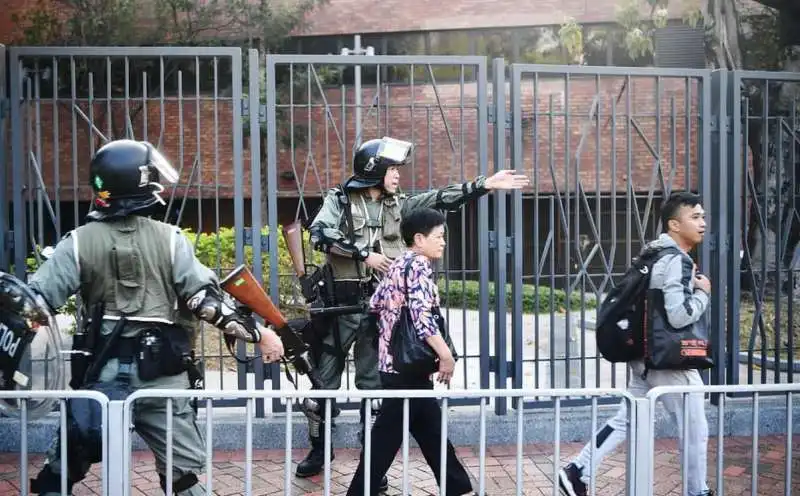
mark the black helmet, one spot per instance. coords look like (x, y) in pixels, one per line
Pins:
(124, 175)
(373, 158)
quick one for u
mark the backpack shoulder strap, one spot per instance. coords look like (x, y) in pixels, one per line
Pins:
(650, 256)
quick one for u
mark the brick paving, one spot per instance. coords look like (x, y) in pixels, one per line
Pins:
(500, 470)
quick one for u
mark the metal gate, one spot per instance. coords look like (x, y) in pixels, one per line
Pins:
(65, 102)
(605, 145)
(314, 119)
(524, 271)
(758, 161)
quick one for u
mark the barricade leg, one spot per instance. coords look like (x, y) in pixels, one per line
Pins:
(641, 460)
(117, 477)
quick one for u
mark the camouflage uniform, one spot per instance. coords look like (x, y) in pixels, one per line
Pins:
(143, 274)
(372, 225)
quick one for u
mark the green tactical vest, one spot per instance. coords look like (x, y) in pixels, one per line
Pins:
(383, 227)
(127, 264)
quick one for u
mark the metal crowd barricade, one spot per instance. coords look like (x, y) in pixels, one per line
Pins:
(647, 411)
(122, 457)
(61, 396)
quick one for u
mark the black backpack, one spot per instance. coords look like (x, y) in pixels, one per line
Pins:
(622, 317)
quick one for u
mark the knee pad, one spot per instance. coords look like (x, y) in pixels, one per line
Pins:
(185, 482)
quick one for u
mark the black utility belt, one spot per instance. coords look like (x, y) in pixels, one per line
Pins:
(158, 352)
(352, 291)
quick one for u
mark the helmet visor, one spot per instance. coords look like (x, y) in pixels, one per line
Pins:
(394, 150)
(165, 170)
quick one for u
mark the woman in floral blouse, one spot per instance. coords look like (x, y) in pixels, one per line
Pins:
(423, 232)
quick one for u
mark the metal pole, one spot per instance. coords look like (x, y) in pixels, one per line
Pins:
(4, 254)
(358, 50)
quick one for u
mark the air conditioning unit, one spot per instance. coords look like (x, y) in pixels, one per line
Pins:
(680, 46)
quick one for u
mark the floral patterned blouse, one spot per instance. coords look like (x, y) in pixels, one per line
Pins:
(390, 296)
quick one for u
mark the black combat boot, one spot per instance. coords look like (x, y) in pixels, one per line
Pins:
(314, 461)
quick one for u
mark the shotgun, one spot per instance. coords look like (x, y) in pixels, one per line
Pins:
(243, 287)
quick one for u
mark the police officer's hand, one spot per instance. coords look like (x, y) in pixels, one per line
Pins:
(378, 261)
(506, 179)
(271, 345)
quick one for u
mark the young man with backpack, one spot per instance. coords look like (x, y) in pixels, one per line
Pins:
(657, 316)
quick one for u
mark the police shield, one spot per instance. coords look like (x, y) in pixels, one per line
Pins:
(31, 356)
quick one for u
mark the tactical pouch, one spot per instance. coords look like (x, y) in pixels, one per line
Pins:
(161, 353)
(149, 357)
(347, 292)
(129, 285)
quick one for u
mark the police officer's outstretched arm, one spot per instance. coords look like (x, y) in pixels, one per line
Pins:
(59, 276)
(199, 287)
(454, 196)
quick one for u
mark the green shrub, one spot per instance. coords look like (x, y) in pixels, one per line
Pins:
(217, 250)
(456, 294)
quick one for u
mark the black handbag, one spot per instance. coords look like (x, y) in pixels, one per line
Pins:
(668, 348)
(410, 354)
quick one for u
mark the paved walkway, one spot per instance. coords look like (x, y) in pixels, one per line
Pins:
(500, 475)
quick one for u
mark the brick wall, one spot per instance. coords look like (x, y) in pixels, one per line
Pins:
(207, 142)
(11, 31)
(446, 137)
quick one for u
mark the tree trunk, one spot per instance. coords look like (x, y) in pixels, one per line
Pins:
(772, 225)
(775, 164)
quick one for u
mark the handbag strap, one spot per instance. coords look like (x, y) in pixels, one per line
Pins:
(405, 280)
(435, 310)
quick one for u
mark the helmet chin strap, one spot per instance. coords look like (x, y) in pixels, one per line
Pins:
(157, 193)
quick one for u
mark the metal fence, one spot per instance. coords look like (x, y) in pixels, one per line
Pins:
(480, 397)
(647, 413)
(536, 453)
(259, 139)
(59, 449)
(605, 145)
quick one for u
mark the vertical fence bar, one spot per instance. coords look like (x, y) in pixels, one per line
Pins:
(117, 470)
(4, 108)
(238, 167)
(238, 184)
(272, 182)
(517, 163)
(500, 255)
(18, 164)
(254, 94)
(644, 457)
(483, 221)
(736, 176)
(716, 116)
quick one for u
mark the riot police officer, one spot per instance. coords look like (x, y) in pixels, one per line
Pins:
(146, 289)
(358, 227)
